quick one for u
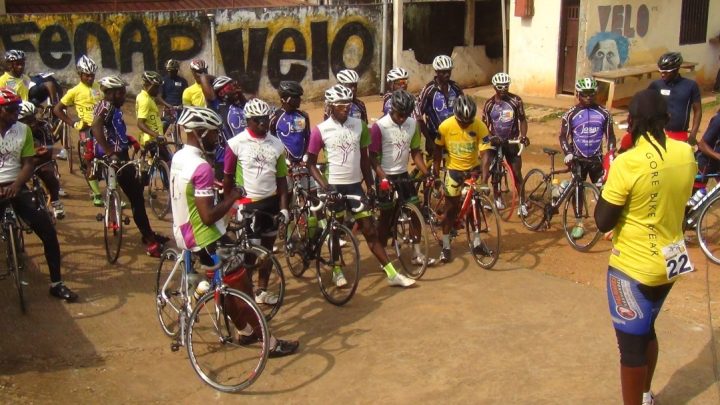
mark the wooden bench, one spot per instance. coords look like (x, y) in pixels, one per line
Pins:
(640, 72)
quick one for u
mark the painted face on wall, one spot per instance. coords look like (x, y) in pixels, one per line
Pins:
(605, 56)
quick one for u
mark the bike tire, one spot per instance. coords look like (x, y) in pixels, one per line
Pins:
(67, 144)
(591, 234)
(508, 192)
(296, 242)
(350, 264)
(113, 226)
(708, 230)
(485, 220)
(158, 188)
(276, 278)
(15, 262)
(82, 164)
(432, 200)
(169, 292)
(535, 196)
(410, 229)
(214, 347)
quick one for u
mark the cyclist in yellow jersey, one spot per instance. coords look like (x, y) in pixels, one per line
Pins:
(84, 96)
(643, 202)
(14, 77)
(463, 136)
(201, 90)
(148, 114)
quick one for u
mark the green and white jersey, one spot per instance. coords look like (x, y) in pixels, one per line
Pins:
(394, 142)
(342, 144)
(256, 163)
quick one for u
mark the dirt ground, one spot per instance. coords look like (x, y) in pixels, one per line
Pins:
(534, 329)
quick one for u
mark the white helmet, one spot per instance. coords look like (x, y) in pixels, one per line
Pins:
(111, 82)
(152, 77)
(86, 65)
(220, 82)
(585, 84)
(27, 109)
(338, 93)
(347, 76)
(14, 55)
(256, 108)
(198, 65)
(442, 62)
(397, 73)
(199, 118)
(502, 79)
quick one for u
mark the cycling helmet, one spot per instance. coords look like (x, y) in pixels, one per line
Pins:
(220, 82)
(465, 109)
(86, 65)
(7, 96)
(397, 74)
(111, 82)
(338, 93)
(14, 55)
(290, 88)
(442, 62)
(199, 118)
(347, 76)
(501, 79)
(172, 64)
(256, 108)
(27, 109)
(586, 84)
(152, 77)
(402, 102)
(670, 61)
(198, 65)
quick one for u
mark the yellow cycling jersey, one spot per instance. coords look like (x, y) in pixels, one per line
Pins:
(193, 96)
(84, 98)
(20, 85)
(146, 108)
(653, 190)
(462, 144)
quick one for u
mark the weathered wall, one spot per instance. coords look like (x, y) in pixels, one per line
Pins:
(263, 46)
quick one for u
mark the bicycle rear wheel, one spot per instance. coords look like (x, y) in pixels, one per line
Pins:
(535, 195)
(67, 145)
(15, 262)
(113, 225)
(265, 264)
(708, 230)
(432, 201)
(220, 355)
(335, 260)
(580, 228)
(409, 231)
(504, 184)
(296, 241)
(169, 292)
(482, 227)
(159, 188)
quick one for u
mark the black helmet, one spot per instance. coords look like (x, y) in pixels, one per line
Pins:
(289, 88)
(465, 109)
(402, 102)
(670, 61)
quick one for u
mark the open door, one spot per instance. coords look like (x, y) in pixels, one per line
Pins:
(568, 46)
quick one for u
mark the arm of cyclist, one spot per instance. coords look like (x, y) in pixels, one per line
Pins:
(143, 127)
(315, 172)
(229, 167)
(566, 138)
(99, 132)
(607, 215)
(282, 186)
(26, 171)
(375, 149)
(365, 165)
(209, 213)
(697, 118)
(207, 88)
(60, 112)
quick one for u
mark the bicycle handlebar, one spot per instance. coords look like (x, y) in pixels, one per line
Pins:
(325, 196)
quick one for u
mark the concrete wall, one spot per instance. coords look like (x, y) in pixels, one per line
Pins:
(263, 46)
(533, 50)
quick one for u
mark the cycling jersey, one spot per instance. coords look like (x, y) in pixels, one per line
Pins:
(172, 90)
(680, 94)
(462, 144)
(192, 177)
(38, 93)
(233, 116)
(503, 116)
(256, 163)
(147, 109)
(193, 96)
(653, 190)
(19, 85)
(393, 143)
(42, 133)
(342, 144)
(16, 144)
(387, 103)
(583, 129)
(708, 164)
(293, 129)
(113, 127)
(434, 107)
(357, 110)
(84, 98)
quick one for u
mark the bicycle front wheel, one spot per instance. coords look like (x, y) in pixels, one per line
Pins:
(221, 352)
(507, 192)
(159, 188)
(67, 145)
(410, 241)
(15, 262)
(296, 241)
(578, 218)
(267, 275)
(482, 226)
(169, 292)
(113, 226)
(535, 195)
(338, 265)
(708, 230)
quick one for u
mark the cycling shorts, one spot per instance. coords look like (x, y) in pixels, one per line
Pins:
(633, 306)
(263, 225)
(354, 189)
(406, 191)
(455, 180)
(592, 167)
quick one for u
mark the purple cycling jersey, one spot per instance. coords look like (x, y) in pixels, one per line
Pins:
(293, 129)
(583, 130)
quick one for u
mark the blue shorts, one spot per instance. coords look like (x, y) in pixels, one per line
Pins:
(633, 306)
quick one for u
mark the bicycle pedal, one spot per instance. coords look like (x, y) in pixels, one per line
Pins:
(126, 220)
(99, 217)
(174, 346)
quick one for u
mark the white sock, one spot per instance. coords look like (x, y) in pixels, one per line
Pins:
(476, 238)
(247, 330)
(446, 241)
(416, 247)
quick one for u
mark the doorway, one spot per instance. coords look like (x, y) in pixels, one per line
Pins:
(569, 26)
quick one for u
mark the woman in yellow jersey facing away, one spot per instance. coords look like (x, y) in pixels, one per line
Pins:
(643, 203)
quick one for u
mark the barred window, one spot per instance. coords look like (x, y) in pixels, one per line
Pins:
(694, 20)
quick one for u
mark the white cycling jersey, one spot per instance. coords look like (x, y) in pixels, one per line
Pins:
(342, 144)
(256, 163)
(394, 142)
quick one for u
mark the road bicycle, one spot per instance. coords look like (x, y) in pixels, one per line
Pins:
(478, 215)
(172, 133)
(220, 351)
(156, 175)
(503, 182)
(541, 198)
(60, 132)
(14, 243)
(704, 217)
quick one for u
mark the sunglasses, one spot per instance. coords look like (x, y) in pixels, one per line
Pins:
(666, 71)
(587, 93)
(401, 82)
(341, 106)
(502, 87)
(260, 119)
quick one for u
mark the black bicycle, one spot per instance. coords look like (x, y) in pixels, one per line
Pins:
(156, 175)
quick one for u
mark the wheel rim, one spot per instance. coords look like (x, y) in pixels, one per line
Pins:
(346, 257)
(158, 190)
(708, 230)
(409, 230)
(483, 222)
(580, 228)
(535, 195)
(168, 302)
(113, 227)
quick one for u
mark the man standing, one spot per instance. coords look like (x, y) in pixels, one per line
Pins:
(14, 77)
